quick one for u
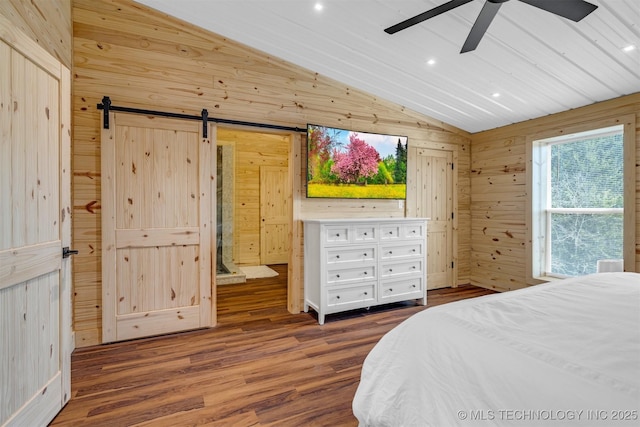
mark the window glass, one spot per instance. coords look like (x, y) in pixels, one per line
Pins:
(580, 201)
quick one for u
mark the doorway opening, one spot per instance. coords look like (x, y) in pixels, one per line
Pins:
(226, 270)
(253, 203)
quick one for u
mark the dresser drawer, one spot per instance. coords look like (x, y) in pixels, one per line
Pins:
(345, 275)
(414, 231)
(351, 295)
(402, 289)
(366, 233)
(336, 234)
(401, 267)
(344, 254)
(401, 251)
(390, 231)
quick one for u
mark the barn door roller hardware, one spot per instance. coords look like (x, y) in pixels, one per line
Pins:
(106, 106)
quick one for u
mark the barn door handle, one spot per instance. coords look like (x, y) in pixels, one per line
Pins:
(66, 252)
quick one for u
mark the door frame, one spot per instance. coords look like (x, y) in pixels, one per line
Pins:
(411, 208)
(295, 176)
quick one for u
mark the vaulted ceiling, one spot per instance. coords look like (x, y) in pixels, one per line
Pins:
(530, 63)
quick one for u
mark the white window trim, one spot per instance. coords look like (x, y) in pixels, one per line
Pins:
(535, 238)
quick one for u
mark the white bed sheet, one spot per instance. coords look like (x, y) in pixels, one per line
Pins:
(563, 353)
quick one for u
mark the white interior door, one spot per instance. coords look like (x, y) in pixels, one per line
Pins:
(157, 226)
(35, 224)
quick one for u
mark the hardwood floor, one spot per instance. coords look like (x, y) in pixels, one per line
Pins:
(261, 366)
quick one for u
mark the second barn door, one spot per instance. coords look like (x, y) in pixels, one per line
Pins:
(156, 226)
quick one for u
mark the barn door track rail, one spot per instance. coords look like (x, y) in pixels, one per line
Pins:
(106, 106)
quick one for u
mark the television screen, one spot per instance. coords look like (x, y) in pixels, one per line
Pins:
(347, 164)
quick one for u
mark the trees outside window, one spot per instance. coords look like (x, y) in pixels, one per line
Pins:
(578, 197)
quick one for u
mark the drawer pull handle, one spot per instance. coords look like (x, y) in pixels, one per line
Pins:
(365, 273)
(413, 286)
(337, 296)
(366, 293)
(413, 231)
(365, 235)
(365, 254)
(413, 267)
(391, 232)
(413, 250)
(338, 276)
(337, 256)
(390, 289)
(390, 252)
(337, 234)
(390, 270)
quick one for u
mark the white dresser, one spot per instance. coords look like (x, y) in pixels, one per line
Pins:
(359, 263)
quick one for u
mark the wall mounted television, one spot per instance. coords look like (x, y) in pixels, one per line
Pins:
(346, 164)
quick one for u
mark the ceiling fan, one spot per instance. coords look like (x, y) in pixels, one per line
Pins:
(570, 9)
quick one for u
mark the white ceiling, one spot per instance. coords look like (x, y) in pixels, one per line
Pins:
(538, 62)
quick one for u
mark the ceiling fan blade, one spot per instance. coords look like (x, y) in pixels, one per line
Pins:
(426, 15)
(488, 12)
(570, 9)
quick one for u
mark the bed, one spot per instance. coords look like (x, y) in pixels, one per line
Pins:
(562, 353)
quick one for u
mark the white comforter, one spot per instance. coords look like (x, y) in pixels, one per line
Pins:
(564, 353)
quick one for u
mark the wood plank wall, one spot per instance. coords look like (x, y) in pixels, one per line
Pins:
(47, 22)
(144, 59)
(499, 197)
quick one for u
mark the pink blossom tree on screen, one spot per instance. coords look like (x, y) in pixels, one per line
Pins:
(360, 161)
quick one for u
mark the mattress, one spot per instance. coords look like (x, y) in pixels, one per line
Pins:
(562, 353)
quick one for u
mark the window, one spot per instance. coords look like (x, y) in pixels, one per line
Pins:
(577, 202)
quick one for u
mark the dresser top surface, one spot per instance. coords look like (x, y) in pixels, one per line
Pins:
(360, 220)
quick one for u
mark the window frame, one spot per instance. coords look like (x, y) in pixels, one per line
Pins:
(535, 162)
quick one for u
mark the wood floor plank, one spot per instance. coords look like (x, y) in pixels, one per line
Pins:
(261, 366)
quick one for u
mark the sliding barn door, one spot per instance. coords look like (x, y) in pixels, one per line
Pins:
(35, 225)
(157, 175)
(275, 212)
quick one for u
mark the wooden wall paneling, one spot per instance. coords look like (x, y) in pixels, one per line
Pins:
(500, 196)
(631, 184)
(46, 22)
(295, 267)
(144, 59)
(497, 177)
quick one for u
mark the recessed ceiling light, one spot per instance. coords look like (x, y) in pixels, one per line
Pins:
(495, 95)
(431, 62)
(318, 6)
(629, 48)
